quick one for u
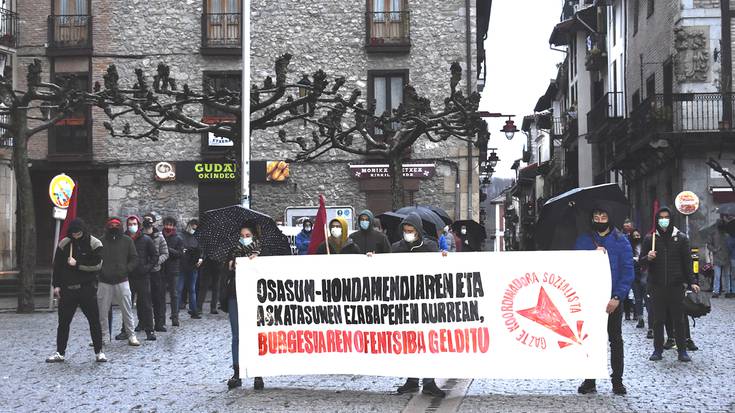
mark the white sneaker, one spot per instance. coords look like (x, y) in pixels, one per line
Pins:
(100, 357)
(133, 341)
(55, 358)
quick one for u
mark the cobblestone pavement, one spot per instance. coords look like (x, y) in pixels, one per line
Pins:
(186, 370)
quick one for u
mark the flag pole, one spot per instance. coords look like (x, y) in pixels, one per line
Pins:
(326, 238)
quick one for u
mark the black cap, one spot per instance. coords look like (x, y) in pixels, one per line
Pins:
(76, 225)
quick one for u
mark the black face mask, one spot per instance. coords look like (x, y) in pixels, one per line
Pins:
(600, 226)
(114, 231)
(730, 228)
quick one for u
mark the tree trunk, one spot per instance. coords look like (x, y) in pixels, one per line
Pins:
(395, 167)
(26, 216)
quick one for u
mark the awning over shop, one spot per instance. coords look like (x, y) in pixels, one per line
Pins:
(722, 194)
(585, 19)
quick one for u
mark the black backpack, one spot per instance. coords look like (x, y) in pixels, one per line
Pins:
(697, 304)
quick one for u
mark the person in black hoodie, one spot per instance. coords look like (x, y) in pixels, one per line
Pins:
(669, 267)
(191, 260)
(77, 261)
(415, 241)
(367, 238)
(140, 278)
(172, 269)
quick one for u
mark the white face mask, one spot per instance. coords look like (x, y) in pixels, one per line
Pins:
(246, 241)
(464, 231)
(191, 231)
(336, 232)
(133, 229)
(409, 236)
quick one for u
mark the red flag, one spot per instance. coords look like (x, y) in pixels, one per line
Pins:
(656, 207)
(71, 213)
(318, 234)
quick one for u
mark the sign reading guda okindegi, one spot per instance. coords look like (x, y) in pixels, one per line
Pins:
(206, 171)
(496, 315)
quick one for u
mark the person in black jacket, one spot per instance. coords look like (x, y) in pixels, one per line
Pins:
(140, 278)
(77, 261)
(191, 260)
(415, 241)
(669, 267)
(367, 238)
(172, 269)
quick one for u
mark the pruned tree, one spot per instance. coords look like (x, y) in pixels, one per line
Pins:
(334, 121)
(25, 114)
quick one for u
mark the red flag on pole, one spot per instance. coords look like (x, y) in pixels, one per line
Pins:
(656, 207)
(71, 213)
(318, 234)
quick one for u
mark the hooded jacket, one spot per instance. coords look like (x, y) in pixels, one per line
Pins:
(673, 263)
(303, 239)
(146, 249)
(370, 240)
(175, 245)
(422, 244)
(161, 248)
(87, 251)
(191, 253)
(620, 255)
(342, 246)
(119, 257)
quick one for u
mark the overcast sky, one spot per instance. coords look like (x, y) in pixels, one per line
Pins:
(520, 66)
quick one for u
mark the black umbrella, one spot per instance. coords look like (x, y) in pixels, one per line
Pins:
(427, 216)
(475, 236)
(440, 212)
(727, 209)
(218, 232)
(391, 222)
(565, 217)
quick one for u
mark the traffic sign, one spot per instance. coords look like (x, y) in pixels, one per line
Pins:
(60, 190)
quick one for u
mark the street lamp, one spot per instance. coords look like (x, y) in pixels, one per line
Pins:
(509, 129)
(493, 159)
(304, 86)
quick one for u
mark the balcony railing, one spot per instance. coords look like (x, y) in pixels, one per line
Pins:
(684, 113)
(221, 31)
(609, 107)
(559, 126)
(5, 141)
(70, 32)
(388, 31)
(8, 28)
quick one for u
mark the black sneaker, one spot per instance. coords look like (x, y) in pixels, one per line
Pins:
(138, 328)
(234, 382)
(410, 386)
(213, 311)
(194, 315)
(258, 383)
(160, 329)
(618, 388)
(715, 295)
(587, 387)
(656, 356)
(150, 336)
(431, 389)
(691, 346)
(649, 335)
(627, 317)
(175, 322)
(641, 323)
(122, 336)
(669, 344)
(684, 357)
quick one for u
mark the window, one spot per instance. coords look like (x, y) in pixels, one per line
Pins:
(70, 136)
(636, 13)
(388, 25)
(70, 24)
(386, 88)
(651, 85)
(650, 8)
(230, 80)
(222, 24)
(70, 7)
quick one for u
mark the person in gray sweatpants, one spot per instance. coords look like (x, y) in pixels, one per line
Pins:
(119, 258)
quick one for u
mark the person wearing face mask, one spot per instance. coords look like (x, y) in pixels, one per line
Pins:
(119, 260)
(248, 246)
(158, 284)
(190, 263)
(604, 237)
(172, 270)
(446, 240)
(77, 260)
(303, 239)
(367, 238)
(414, 241)
(716, 242)
(140, 278)
(339, 242)
(639, 284)
(468, 244)
(669, 267)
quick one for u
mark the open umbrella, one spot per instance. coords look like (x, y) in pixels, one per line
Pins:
(726, 209)
(427, 216)
(440, 212)
(218, 232)
(476, 233)
(565, 217)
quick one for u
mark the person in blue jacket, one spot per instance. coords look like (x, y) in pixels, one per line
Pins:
(615, 244)
(303, 239)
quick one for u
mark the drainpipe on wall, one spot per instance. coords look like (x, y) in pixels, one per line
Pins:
(245, 138)
(468, 41)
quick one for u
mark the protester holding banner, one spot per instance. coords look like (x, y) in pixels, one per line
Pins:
(367, 238)
(303, 239)
(667, 257)
(76, 263)
(617, 247)
(338, 240)
(248, 246)
(414, 241)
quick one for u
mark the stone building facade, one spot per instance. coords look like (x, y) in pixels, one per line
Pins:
(201, 39)
(8, 63)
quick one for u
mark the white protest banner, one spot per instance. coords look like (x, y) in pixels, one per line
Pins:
(534, 315)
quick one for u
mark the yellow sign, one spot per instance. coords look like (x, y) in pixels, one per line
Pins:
(277, 171)
(60, 190)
